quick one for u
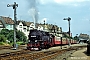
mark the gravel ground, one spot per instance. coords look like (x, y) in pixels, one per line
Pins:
(70, 55)
(73, 55)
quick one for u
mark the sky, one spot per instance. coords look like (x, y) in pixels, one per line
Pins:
(53, 12)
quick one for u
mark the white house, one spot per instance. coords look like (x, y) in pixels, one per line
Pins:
(25, 27)
(40, 27)
(6, 22)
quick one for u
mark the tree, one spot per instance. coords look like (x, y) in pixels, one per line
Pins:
(9, 34)
(3, 38)
(5, 32)
(66, 36)
(76, 38)
(21, 36)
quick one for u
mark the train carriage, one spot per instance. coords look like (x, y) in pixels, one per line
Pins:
(57, 40)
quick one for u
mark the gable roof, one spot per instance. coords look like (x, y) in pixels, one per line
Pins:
(28, 23)
(8, 20)
(24, 23)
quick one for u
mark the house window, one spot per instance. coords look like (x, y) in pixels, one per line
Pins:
(24, 29)
(10, 26)
(20, 26)
(1, 25)
(27, 28)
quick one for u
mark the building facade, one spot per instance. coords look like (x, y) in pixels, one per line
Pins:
(7, 23)
(25, 27)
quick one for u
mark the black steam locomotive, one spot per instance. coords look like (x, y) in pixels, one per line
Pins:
(39, 40)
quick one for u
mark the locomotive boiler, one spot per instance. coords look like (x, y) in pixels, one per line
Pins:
(39, 40)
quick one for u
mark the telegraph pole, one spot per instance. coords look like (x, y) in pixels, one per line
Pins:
(68, 19)
(14, 7)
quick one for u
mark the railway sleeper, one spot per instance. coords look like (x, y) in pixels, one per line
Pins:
(48, 57)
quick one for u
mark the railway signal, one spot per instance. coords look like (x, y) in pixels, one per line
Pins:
(68, 19)
(14, 7)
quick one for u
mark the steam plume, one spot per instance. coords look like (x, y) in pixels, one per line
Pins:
(33, 11)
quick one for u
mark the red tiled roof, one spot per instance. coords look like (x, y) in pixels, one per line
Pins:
(8, 20)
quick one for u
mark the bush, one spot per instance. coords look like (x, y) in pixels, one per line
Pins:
(1, 43)
(3, 38)
(6, 34)
(19, 43)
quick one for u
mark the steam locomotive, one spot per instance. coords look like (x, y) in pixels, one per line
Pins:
(39, 40)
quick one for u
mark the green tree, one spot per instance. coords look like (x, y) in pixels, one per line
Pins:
(66, 36)
(3, 38)
(5, 32)
(9, 34)
(21, 36)
(76, 38)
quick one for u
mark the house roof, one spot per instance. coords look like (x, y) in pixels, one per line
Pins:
(24, 23)
(1, 23)
(81, 38)
(8, 20)
(28, 23)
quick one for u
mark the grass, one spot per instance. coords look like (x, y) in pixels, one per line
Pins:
(1, 43)
(11, 44)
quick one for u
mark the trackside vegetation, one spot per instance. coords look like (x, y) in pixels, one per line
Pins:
(7, 36)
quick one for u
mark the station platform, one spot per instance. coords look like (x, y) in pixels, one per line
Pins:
(79, 55)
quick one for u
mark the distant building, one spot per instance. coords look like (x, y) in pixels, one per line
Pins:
(1, 25)
(7, 23)
(25, 27)
(83, 38)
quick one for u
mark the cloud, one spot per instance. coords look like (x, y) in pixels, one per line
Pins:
(42, 1)
(69, 1)
(75, 3)
(63, 2)
(46, 1)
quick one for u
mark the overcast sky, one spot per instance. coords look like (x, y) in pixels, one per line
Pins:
(53, 12)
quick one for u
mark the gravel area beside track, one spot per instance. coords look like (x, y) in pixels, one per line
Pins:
(74, 55)
(66, 55)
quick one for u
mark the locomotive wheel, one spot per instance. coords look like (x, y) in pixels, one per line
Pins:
(42, 46)
(39, 48)
(47, 46)
(27, 48)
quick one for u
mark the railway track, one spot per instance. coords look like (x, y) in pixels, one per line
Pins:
(5, 47)
(9, 47)
(36, 55)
